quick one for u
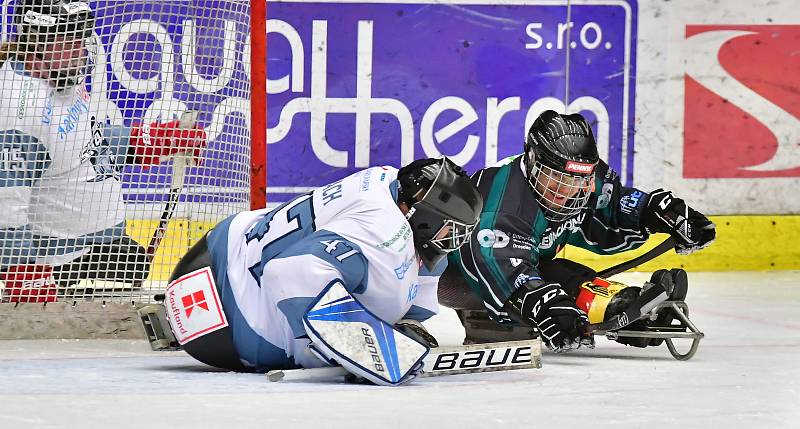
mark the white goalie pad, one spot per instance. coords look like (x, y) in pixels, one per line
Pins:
(343, 330)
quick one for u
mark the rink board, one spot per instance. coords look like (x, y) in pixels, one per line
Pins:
(744, 243)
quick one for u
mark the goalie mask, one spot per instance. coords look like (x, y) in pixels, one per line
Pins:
(443, 204)
(560, 158)
(58, 33)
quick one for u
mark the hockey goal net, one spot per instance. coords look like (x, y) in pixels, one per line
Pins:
(150, 62)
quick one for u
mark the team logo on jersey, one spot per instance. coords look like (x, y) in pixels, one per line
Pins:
(98, 152)
(605, 196)
(741, 115)
(629, 203)
(492, 238)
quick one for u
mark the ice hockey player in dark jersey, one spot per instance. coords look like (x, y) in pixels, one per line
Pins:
(559, 192)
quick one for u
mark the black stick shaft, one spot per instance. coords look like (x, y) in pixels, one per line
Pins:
(653, 253)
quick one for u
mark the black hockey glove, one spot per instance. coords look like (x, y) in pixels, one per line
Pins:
(691, 230)
(560, 322)
(415, 330)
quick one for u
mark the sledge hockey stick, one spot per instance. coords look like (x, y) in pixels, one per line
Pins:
(653, 253)
(468, 359)
(179, 164)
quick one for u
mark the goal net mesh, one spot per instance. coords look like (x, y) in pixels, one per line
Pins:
(79, 209)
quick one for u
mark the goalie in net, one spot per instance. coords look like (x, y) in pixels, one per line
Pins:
(63, 218)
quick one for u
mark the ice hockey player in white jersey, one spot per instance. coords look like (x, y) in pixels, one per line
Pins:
(63, 217)
(261, 286)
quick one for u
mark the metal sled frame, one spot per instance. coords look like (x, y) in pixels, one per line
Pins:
(154, 321)
(686, 330)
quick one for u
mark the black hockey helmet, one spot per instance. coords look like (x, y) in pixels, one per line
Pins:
(444, 206)
(41, 22)
(560, 158)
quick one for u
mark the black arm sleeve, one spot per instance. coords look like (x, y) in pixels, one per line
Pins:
(615, 224)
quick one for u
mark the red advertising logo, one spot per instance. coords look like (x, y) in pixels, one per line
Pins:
(578, 167)
(194, 300)
(742, 108)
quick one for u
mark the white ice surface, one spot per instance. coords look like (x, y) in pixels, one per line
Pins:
(746, 374)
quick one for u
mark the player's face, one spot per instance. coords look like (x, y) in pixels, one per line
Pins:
(66, 54)
(63, 59)
(452, 235)
(557, 190)
(444, 232)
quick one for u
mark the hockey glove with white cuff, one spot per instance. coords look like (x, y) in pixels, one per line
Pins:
(152, 143)
(417, 331)
(691, 230)
(560, 322)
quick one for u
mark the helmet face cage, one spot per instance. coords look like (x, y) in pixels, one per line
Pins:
(452, 235)
(61, 38)
(561, 195)
(443, 210)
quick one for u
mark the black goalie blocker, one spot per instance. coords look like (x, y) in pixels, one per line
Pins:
(443, 205)
(560, 158)
(53, 30)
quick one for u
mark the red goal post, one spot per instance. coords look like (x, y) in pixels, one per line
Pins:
(149, 62)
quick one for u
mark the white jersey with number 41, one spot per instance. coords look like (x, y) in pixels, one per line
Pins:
(277, 261)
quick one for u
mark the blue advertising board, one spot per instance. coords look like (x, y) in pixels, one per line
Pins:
(352, 85)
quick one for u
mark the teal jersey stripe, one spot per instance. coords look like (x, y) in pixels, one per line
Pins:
(489, 220)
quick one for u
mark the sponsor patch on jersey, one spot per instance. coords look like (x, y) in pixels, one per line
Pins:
(522, 242)
(47, 110)
(398, 240)
(413, 290)
(365, 181)
(22, 106)
(401, 271)
(69, 122)
(571, 225)
(193, 306)
(492, 238)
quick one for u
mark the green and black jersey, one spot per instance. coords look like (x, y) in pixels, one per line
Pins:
(513, 235)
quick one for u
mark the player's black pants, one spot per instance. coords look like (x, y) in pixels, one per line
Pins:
(215, 348)
(454, 292)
